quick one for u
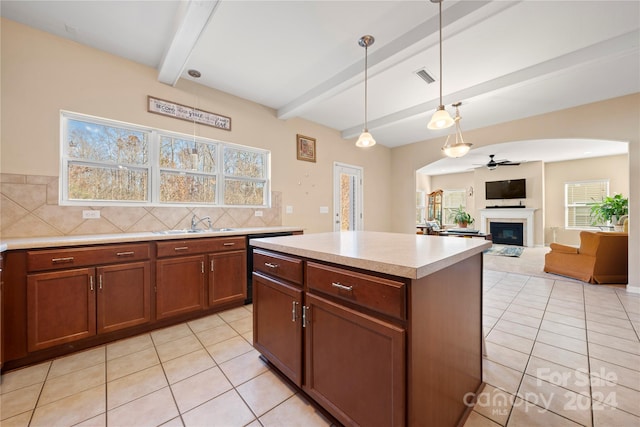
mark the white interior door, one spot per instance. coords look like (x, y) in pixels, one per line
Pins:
(347, 197)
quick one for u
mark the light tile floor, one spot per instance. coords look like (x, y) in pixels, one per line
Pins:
(559, 353)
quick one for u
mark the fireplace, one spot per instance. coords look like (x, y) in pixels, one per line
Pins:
(524, 216)
(507, 233)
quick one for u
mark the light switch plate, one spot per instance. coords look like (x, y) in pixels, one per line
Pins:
(258, 213)
(289, 209)
(324, 209)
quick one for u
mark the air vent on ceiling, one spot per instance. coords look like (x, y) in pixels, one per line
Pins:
(424, 75)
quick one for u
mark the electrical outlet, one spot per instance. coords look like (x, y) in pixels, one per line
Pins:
(90, 214)
(258, 213)
(289, 209)
(324, 209)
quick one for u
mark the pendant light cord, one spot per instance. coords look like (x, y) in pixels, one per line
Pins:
(440, 16)
(366, 126)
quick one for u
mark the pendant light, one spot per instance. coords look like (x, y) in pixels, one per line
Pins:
(366, 139)
(441, 118)
(459, 148)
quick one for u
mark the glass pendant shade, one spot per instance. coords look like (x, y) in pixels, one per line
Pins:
(441, 119)
(365, 140)
(459, 148)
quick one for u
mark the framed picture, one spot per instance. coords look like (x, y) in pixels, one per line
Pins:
(306, 148)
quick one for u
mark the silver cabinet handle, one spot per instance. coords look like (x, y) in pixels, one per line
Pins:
(342, 287)
(100, 281)
(305, 313)
(202, 267)
(62, 260)
(211, 265)
(294, 311)
(181, 248)
(91, 283)
(228, 244)
(128, 253)
(271, 265)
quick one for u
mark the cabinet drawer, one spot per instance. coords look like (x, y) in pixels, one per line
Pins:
(198, 246)
(375, 293)
(278, 265)
(76, 257)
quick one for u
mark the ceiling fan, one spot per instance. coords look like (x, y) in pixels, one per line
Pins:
(492, 164)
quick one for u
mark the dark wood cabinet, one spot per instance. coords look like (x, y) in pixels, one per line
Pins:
(180, 285)
(123, 296)
(354, 364)
(227, 278)
(351, 327)
(200, 273)
(277, 324)
(68, 304)
(61, 307)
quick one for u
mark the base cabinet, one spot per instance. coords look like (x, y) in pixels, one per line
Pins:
(70, 305)
(354, 364)
(61, 307)
(227, 278)
(277, 324)
(337, 334)
(179, 285)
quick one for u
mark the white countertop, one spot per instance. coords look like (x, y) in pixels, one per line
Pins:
(96, 239)
(405, 255)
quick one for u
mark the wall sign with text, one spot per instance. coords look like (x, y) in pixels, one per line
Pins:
(190, 114)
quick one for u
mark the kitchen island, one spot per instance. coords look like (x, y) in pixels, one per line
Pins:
(377, 328)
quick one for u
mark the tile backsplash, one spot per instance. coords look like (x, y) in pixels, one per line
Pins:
(29, 208)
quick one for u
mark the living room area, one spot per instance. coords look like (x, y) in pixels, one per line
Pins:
(552, 198)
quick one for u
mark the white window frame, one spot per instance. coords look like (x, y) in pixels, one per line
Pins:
(421, 206)
(447, 193)
(584, 204)
(153, 166)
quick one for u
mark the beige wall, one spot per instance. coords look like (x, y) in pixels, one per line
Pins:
(43, 74)
(613, 168)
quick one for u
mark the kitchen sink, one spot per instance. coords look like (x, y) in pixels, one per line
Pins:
(196, 231)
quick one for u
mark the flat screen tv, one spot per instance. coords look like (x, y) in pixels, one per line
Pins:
(507, 189)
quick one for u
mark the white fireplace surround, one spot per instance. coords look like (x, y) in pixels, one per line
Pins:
(523, 215)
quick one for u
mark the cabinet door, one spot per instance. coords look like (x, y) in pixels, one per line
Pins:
(277, 324)
(61, 307)
(179, 285)
(124, 298)
(354, 364)
(227, 277)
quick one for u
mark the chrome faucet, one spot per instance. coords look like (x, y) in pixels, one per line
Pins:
(195, 221)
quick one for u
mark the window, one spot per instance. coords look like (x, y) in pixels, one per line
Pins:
(578, 197)
(452, 200)
(105, 162)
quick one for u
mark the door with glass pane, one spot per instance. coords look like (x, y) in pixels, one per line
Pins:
(347, 197)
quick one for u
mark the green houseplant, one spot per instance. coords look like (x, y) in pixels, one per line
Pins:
(609, 210)
(461, 217)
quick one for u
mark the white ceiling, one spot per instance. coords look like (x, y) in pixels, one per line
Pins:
(504, 60)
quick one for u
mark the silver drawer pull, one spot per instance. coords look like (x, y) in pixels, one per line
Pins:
(62, 260)
(129, 253)
(181, 248)
(228, 244)
(342, 287)
(271, 265)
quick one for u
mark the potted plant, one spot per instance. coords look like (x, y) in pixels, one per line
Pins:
(609, 210)
(461, 217)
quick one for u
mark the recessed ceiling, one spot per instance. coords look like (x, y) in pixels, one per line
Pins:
(504, 60)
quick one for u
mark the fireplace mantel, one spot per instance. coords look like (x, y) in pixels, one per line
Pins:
(524, 214)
